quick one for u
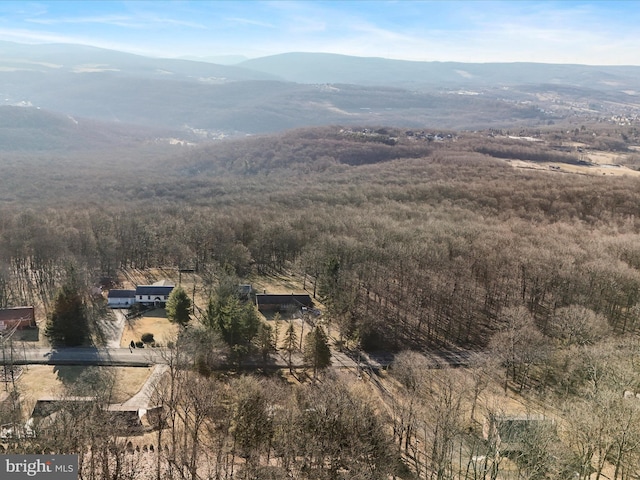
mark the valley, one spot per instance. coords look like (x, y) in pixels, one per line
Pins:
(468, 235)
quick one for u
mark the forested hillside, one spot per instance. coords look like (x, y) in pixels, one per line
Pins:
(433, 235)
(518, 244)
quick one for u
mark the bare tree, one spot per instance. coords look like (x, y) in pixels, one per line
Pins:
(577, 325)
(519, 344)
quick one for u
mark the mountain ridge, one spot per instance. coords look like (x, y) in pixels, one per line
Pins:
(293, 90)
(301, 66)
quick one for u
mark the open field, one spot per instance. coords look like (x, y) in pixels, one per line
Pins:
(155, 322)
(600, 169)
(282, 283)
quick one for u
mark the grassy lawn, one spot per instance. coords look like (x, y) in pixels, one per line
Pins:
(39, 381)
(154, 321)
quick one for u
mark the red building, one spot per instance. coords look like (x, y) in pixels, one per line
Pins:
(17, 317)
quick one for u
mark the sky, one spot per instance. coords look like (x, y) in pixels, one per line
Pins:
(586, 32)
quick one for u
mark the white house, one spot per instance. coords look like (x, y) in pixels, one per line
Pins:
(121, 298)
(156, 295)
(153, 294)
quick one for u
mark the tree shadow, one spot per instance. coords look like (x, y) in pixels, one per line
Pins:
(71, 363)
(69, 374)
(155, 313)
(27, 335)
(86, 380)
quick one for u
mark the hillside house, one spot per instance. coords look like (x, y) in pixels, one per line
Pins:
(17, 317)
(156, 295)
(270, 302)
(121, 298)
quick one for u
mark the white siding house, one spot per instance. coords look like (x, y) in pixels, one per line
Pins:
(153, 294)
(121, 298)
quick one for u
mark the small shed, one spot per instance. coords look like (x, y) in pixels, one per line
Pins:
(513, 432)
(17, 317)
(271, 302)
(121, 298)
(244, 291)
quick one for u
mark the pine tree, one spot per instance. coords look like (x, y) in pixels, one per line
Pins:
(236, 322)
(290, 343)
(316, 350)
(68, 324)
(265, 341)
(277, 322)
(179, 306)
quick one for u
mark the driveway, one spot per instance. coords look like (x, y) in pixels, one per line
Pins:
(112, 327)
(144, 395)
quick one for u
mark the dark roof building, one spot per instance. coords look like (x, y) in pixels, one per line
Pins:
(153, 294)
(121, 294)
(154, 289)
(121, 298)
(278, 302)
(17, 317)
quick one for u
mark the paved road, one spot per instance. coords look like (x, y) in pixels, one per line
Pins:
(157, 356)
(136, 357)
(86, 356)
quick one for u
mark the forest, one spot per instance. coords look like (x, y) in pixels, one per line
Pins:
(521, 249)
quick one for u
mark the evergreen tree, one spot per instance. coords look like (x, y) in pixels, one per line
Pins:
(237, 322)
(316, 350)
(290, 343)
(68, 324)
(277, 322)
(179, 306)
(265, 341)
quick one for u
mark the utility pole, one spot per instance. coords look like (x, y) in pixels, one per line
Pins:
(4, 364)
(24, 352)
(193, 300)
(13, 378)
(4, 337)
(304, 317)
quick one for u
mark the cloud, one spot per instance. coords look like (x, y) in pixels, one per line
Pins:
(31, 36)
(118, 20)
(126, 21)
(248, 21)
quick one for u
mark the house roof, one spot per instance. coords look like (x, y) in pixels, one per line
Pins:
(302, 300)
(154, 289)
(17, 313)
(121, 294)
